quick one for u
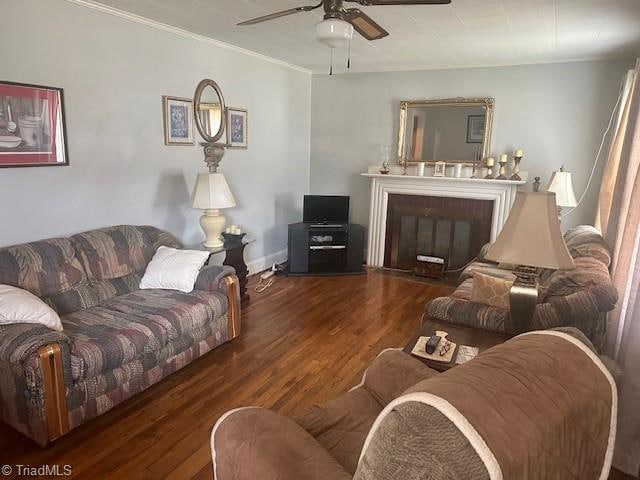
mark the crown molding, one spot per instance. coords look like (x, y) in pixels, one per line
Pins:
(430, 68)
(132, 17)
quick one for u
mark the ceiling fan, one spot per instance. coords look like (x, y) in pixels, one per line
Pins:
(337, 27)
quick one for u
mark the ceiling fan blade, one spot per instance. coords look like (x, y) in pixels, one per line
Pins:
(284, 13)
(400, 2)
(364, 24)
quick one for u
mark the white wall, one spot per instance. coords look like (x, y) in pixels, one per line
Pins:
(555, 112)
(114, 73)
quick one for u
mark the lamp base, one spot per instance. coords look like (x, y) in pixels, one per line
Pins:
(212, 223)
(523, 298)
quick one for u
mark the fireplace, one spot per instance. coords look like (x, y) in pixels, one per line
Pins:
(499, 194)
(451, 228)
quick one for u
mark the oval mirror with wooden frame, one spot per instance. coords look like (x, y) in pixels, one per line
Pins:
(209, 111)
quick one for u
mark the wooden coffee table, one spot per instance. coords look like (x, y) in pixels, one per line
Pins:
(458, 334)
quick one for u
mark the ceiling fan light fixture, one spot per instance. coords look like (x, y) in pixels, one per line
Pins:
(334, 33)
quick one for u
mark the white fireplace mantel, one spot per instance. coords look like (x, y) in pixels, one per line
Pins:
(501, 192)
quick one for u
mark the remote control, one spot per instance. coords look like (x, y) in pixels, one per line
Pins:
(432, 343)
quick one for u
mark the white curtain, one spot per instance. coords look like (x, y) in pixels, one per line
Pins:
(619, 220)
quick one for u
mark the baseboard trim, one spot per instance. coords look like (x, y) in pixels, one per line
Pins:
(262, 263)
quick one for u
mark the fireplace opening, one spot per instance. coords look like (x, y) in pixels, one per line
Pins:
(454, 229)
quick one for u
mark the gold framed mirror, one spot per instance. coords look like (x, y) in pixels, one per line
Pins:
(452, 130)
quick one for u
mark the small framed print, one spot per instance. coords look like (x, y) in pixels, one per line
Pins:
(475, 128)
(178, 120)
(32, 126)
(440, 169)
(237, 128)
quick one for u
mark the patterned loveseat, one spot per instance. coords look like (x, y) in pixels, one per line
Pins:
(117, 340)
(580, 297)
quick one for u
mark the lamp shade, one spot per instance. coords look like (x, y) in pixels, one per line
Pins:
(531, 236)
(211, 192)
(561, 185)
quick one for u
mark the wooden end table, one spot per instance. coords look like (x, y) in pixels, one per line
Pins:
(458, 334)
(234, 257)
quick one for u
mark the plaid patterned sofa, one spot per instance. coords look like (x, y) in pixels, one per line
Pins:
(580, 297)
(117, 340)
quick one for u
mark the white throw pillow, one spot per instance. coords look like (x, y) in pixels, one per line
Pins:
(20, 306)
(173, 269)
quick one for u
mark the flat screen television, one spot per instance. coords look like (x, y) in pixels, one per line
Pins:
(325, 209)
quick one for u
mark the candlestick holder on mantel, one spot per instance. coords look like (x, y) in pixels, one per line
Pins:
(503, 167)
(516, 165)
(489, 164)
(473, 170)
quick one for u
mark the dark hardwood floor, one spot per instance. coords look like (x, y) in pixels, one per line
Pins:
(305, 340)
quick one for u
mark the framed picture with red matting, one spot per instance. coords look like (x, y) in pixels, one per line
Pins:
(32, 126)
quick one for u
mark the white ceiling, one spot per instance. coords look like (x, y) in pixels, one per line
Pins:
(466, 33)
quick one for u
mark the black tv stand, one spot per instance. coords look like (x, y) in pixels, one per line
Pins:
(325, 248)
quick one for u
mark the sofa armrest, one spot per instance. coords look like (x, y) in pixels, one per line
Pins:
(210, 278)
(255, 443)
(585, 309)
(392, 372)
(222, 278)
(35, 368)
(21, 340)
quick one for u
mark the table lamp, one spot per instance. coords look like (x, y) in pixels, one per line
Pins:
(561, 185)
(210, 194)
(531, 239)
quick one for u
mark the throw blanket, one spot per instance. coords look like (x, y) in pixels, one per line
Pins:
(540, 406)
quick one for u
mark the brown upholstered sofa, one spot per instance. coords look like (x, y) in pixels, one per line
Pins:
(510, 413)
(117, 340)
(580, 297)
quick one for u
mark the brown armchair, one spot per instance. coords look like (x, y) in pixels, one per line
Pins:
(510, 413)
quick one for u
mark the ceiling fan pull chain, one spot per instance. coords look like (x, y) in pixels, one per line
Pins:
(331, 69)
(349, 57)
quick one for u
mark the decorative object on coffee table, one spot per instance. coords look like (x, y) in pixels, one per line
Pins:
(32, 126)
(533, 216)
(442, 350)
(461, 335)
(516, 165)
(561, 185)
(503, 167)
(489, 164)
(211, 193)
